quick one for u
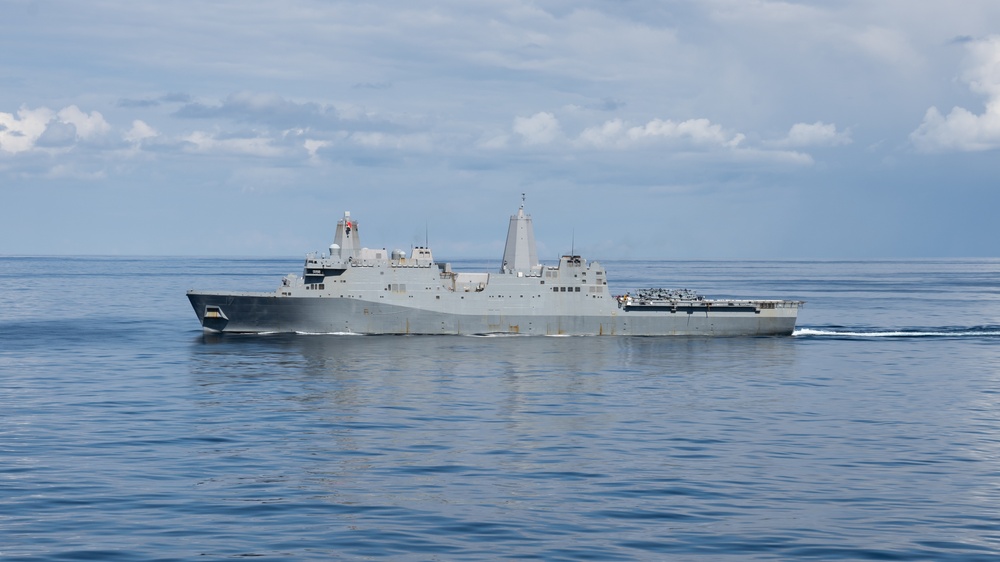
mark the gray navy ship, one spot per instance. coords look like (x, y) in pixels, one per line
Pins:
(359, 290)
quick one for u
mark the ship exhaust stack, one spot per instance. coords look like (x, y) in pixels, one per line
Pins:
(520, 255)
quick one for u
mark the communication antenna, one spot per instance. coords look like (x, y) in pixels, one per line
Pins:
(572, 244)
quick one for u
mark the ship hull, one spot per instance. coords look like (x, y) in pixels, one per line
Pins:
(266, 312)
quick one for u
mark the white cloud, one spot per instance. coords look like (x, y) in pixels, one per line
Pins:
(961, 129)
(87, 125)
(540, 128)
(814, 134)
(312, 145)
(139, 132)
(983, 75)
(611, 133)
(19, 133)
(696, 132)
(699, 131)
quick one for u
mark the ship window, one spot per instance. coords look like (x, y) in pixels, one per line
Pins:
(575, 289)
(555, 289)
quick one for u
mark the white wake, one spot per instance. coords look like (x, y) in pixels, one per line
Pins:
(955, 333)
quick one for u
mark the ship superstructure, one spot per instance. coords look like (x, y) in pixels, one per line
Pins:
(358, 290)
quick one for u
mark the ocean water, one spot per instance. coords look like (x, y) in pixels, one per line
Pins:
(873, 433)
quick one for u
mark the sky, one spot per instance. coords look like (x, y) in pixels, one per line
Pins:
(636, 129)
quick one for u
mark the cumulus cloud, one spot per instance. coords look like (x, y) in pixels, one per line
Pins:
(88, 125)
(695, 132)
(540, 128)
(282, 129)
(961, 129)
(803, 135)
(42, 127)
(691, 135)
(18, 133)
(139, 132)
(313, 145)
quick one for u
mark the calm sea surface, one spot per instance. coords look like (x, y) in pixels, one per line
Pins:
(873, 433)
